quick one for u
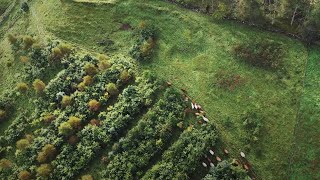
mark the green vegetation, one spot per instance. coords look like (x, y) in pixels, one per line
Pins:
(90, 89)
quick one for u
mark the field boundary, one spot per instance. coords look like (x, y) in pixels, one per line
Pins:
(293, 144)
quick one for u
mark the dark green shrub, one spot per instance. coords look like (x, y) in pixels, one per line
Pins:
(143, 49)
(25, 6)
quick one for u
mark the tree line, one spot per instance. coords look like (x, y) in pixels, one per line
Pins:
(299, 17)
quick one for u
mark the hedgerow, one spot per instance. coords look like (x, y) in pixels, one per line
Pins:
(183, 156)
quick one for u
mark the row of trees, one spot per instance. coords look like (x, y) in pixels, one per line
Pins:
(182, 158)
(133, 153)
(294, 16)
(91, 138)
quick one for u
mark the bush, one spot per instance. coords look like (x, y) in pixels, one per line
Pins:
(65, 49)
(75, 122)
(39, 86)
(24, 59)
(56, 53)
(112, 89)
(5, 164)
(12, 39)
(48, 118)
(22, 144)
(24, 175)
(44, 170)
(73, 140)
(28, 41)
(22, 87)
(94, 105)
(86, 177)
(144, 46)
(66, 101)
(104, 65)
(90, 69)
(65, 129)
(25, 6)
(124, 76)
(87, 80)
(2, 115)
(261, 53)
(81, 86)
(47, 154)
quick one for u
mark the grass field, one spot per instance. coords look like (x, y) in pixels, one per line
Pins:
(3, 5)
(306, 147)
(192, 49)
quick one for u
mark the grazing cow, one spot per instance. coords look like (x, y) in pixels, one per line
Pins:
(169, 83)
(246, 167)
(204, 164)
(242, 155)
(226, 152)
(195, 106)
(211, 164)
(192, 105)
(218, 158)
(211, 152)
(205, 119)
(197, 114)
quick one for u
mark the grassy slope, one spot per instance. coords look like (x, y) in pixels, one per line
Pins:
(3, 5)
(192, 48)
(306, 150)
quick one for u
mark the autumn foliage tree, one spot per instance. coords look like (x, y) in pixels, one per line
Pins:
(39, 86)
(112, 89)
(47, 154)
(94, 105)
(24, 175)
(44, 170)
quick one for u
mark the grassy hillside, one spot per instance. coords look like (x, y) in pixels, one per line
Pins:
(305, 149)
(193, 52)
(3, 5)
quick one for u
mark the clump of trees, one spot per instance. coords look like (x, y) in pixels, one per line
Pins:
(144, 46)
